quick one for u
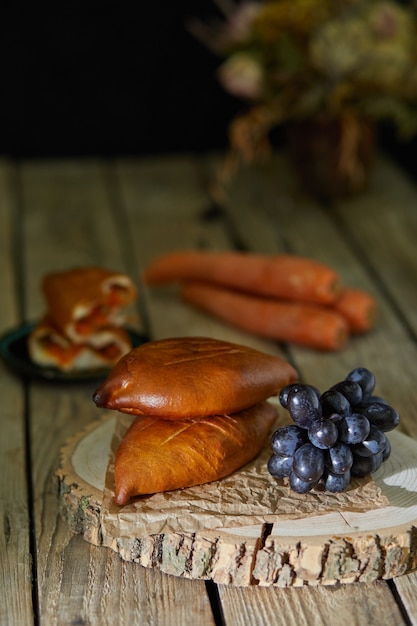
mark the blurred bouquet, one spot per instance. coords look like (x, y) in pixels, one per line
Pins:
(327, 60)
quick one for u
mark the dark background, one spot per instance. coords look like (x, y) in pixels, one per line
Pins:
(110, 79)
(116, 79)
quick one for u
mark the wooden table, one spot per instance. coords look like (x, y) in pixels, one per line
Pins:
(121, 214)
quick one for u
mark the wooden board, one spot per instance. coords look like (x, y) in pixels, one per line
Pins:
(323, 549)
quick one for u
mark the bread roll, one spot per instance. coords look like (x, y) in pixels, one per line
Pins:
(84, 299)
(192, 377)
(159, 455)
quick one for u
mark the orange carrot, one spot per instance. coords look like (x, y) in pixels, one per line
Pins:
(286, 276)
(305, 324)
(359, 309)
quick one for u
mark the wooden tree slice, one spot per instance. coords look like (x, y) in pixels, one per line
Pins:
(339, 547)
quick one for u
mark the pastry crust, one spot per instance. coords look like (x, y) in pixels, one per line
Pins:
(48, 347)
(82, 300)
(192, 377)
(158, 455)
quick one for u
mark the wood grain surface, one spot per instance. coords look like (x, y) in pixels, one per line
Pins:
(122, 214)
(335, 547)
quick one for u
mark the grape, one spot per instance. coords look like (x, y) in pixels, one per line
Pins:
(354, 428)
(381, 415)
(287, 439)
(350, 389)
(376, 399)
(279, 466)
(303, 405)
(364, 465)
(300, 486)
(283, 396)
(364, 378)
(323, 433)
(335, 418)
(337, 482)
(387, 450)
(308, 462)
(337, 434)
(339, 458)
(373, 444)
(334, 402)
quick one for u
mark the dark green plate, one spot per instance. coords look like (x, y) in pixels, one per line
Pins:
(14, 351)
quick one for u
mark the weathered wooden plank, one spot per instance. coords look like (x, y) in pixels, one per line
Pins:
(15, 560)
(287, 220)
(89, 584)
(67, 222)
(291, 221)
(167, 210)
(406, 589)
(382, 224)
(319, 606)
(69, 219)
(64, 564)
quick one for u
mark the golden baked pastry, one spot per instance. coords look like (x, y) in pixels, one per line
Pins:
(158, 455)
(192, 377)
(83, 300)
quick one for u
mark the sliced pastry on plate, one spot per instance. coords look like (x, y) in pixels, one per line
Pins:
(82, 300)
(49, 347)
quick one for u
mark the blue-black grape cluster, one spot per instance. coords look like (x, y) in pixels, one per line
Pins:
(336, 434)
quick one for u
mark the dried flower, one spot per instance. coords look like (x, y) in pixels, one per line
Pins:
(242, 76)
(298, 59)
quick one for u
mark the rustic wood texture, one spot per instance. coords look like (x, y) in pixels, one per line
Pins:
(68, 220)
(315, 606)
(327, 550)
(124, 214)
(15, 566)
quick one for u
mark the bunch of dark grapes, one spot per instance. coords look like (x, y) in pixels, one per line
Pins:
(336, 435)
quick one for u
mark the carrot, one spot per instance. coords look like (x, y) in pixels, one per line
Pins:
(305, 324)
(359, 309)
(286, 276)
